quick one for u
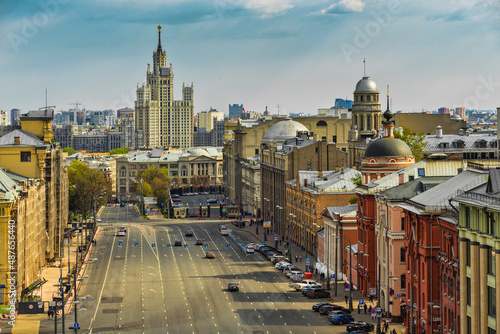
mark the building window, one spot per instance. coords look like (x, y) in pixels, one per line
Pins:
(468, 291)
(25, 156)
(403, 282)
(421, 172)
(334, 139)
(492, 306)
(467, 252)
(308, 165)
(402, 255)
(491, 261)
(256, 151)
(467, 217)
(490, 224)
(402, 223)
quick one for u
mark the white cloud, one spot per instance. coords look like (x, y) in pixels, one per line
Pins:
(342, 7)
(267, 7)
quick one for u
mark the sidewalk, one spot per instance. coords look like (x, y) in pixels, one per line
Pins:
(249, 234)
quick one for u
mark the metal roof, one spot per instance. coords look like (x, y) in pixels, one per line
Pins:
(329, 182)
(25, 139)
(435, 144)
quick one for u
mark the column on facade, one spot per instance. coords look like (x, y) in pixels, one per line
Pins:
(483, 287)
(475, 292)
(497, 286)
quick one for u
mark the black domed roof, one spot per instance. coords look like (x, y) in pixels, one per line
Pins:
(388, 147)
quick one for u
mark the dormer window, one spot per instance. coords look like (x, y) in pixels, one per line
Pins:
(481, 143)
(459, 143)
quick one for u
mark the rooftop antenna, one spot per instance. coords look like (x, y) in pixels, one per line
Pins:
(76, 105)
(46, 103)
(364, 67)
(278, 109)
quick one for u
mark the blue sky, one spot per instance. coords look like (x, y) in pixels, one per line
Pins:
(298, 54)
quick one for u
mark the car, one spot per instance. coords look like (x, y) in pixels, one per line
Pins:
(264, 248)
(98, 219)
(120, 233)
(204, 193)
(199, 242)
(210, 255)
(211, 200)
(175, 196)
(176, 200)
(124, 229)
(250, 249)
(233, 286)
(340, 319)
(359, 325)
(326, 309)
(294, 272)
(194, 194)
(281, 264)
(359, 332)
(271, 253)
(318, 293)
(310, 287)
(276, 258)
(296, 278)
(177, 243)
(331, 314)
(318, 305)
(300, 285)
(189, 233)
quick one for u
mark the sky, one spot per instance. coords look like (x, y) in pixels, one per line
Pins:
(294, 56)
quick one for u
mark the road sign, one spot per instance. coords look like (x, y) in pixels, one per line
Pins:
(61, 289)
(136, 244)
(378, 309)
(332, 275)
(276, 235)
(153, 245)
(228, 245)
(205, 245)
(119, 243)
(397, 295)
(346, 285)
(59, 304)
(308, 260)
(361, 302)
(263, 243)
(30, 306)
(169, 245)
(185, 246)
(76, 324)
(60, 280)
(242, 244)
(373, 311)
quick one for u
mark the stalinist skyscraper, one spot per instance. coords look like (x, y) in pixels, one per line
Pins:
(164, 121)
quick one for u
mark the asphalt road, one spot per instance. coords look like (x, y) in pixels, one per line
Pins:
(142, 283)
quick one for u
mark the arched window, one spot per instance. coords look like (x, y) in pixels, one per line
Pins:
(321, 123)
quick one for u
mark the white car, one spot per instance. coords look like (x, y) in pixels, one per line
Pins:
(294, 272)
(250, 249)
(281, 264)
(301, 285)
(98, 219)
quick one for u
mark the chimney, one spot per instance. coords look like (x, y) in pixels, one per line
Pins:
(401, 178)
(461, 132)
(305, 182)
(17, 141)
(320, 174)
(439, 131)
(342, 170)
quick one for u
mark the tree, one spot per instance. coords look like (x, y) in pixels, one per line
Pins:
(414, 141)
(70, 150)
(155, 183)
(86, 186)
(356, 179)
(123, 150)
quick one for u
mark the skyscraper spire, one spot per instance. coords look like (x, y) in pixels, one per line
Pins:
(159, 38)
(388, 97)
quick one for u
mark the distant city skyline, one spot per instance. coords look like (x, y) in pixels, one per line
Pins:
(298, 54)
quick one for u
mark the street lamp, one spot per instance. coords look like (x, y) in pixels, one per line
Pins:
(265, 230)
(394, 278)
(350, 268)
(274, 228)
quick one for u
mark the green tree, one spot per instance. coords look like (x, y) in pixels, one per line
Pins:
(86, 186)
(123, 150)
(155, 183)
(70, 150)
(356, 179)
(414, 141)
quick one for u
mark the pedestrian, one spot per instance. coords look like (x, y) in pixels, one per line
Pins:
(359, 309)
(49, 312)
(300, 258)
(346, 299)
(296, 258)
(373, 317)
(394, 331)
(95, 242)
(316, 271)
(365, 308)
(371, 299)
(386, 326)
(370, 309)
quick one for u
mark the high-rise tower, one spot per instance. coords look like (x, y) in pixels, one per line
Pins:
(164, 121)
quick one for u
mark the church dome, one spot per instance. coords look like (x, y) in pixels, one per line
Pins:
(456, 117)
(388, 147)
(284, 130)
(366, 85)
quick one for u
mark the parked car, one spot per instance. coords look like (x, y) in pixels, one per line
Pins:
(281, 264)
(331, 314)
(318, 305)
(98, 219)
(175, 196)
(265, 248)
(250, 250)
(309, 288)
(340, 319)
(211, 200)
(233, 286)
(318, 293)
(359, 325)
(326, 309)
(294, 272)
(299, 286)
